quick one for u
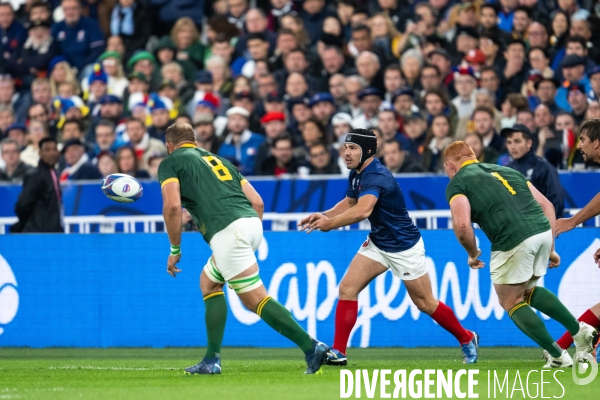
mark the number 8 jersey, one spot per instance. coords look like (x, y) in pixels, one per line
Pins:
(501, 203)
(210, 187)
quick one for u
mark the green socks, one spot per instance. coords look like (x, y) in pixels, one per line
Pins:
(215, 317)
(544, 300)
(532, 325)
(280, 319)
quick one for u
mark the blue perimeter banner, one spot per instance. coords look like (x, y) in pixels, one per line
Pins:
(288, 195)
(113, 290)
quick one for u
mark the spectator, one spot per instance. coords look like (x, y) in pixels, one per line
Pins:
(438, 138)
(411, 63)
(313, 14)
(321, 160)
(14, 169)
(78, 164)
(129, 20)
(241, 144)
(392, 80)
(353, 84)
(323, 108)
(342, 124)
(466, 86)
(97, 85)
(106, 138)
(515, 70)
(370, 101)
(36, 131)
(578, 102)
(171, 12)
(12, 33)
(511, 106)
(153, 163)
(141, 141)
(7, 118)
(160, 110)
(128, 163)
(246, 100)
(186, 37)
(539, 60)
(274, 127)
(221, 74)
(256, 22)
(483, 119)
(39, 205)
(282, 160)
(143, 63)
(206, 138)
(545, 89)
(106, 163)
(398, 161)
(483, 154)
(536, 170)
(113, 66)
(80, 49)
(111, 110)
(31, 61)
(8, 96)
(60, 71)
(573, 67)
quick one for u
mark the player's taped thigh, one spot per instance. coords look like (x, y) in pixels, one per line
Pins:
(213, 273)
(246, 284)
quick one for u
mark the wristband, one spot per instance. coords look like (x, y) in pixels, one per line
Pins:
(176, 250)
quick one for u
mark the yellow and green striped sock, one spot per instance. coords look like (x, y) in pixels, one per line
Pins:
(279, 318)
(532, 325)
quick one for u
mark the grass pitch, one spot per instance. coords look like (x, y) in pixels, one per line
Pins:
(260, 374)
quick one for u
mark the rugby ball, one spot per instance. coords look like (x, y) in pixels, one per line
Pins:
(122, 188)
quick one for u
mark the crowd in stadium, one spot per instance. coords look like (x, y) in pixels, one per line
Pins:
(274, 86)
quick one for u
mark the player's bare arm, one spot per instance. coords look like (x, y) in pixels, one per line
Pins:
(172, 214)
(362, 210)
(463, 229)
(548, 210)
(341, 207)
(589, 211)
(255, 200)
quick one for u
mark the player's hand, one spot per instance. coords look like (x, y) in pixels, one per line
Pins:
(172, 265)
(306, 221)
(318, 222)
(597, 257)
(563, 225)
(554, 260)
(474, 262)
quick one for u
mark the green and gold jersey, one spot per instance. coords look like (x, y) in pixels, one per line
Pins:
(501, 203)
(210, 186)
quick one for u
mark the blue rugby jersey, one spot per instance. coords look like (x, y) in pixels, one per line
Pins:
(392, 230)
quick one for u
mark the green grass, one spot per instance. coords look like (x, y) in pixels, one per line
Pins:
(247, 373)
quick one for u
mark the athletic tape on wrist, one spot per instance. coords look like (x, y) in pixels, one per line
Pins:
(175, 250)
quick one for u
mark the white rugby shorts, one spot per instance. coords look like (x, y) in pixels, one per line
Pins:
(406, 265)
(233, 249)
(519, 264)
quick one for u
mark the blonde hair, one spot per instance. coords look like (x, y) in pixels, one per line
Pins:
(69, 77)
(174, 66)
(392, 32)
(183, 23)
(220, 61)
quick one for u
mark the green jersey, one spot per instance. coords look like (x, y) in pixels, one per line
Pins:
(210, 186)
(501, 203)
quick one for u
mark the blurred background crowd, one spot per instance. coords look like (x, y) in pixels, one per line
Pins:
(274, 86)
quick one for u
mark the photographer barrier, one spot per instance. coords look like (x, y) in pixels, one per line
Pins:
(113, 290)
